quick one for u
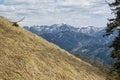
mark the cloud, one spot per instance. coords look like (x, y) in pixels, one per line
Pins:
(56, 11)
(17, 1)
(81, 3)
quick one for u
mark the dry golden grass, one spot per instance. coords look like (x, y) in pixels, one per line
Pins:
(25, 56)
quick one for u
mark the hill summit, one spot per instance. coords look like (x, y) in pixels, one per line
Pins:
(25, 56)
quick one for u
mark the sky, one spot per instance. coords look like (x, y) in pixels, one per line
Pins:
(78, 13)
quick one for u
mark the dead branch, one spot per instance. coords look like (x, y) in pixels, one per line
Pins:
(15, 23)
(21, 19)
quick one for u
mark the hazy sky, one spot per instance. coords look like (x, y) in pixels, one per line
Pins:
(47, 12)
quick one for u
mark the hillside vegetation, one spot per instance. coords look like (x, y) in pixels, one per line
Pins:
(87, 42)
(25, 56)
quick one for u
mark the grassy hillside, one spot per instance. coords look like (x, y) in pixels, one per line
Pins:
(25, 56)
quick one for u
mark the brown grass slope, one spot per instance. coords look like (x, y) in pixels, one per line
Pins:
(25, 56)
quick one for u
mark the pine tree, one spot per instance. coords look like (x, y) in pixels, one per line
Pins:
(112, 26)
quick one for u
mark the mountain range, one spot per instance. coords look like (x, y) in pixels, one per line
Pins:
(87, 42)
(26, 56)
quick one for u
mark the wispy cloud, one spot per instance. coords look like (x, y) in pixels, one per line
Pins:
(74, 12)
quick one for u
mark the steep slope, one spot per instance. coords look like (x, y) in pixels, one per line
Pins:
(87, 42)
(25, 56)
